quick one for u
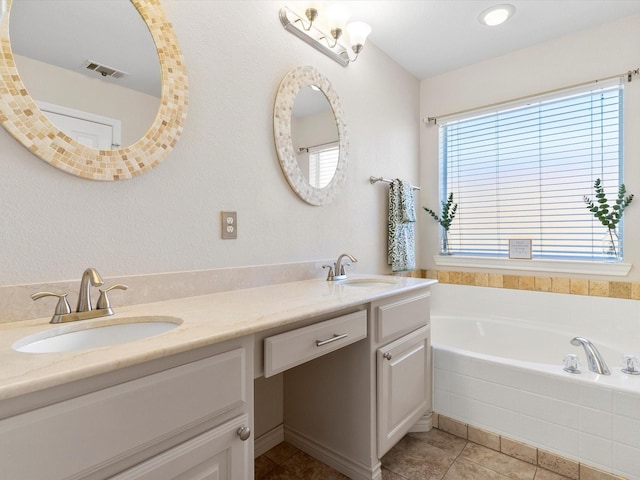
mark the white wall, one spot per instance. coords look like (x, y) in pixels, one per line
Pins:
(53, 225)
(588, 55)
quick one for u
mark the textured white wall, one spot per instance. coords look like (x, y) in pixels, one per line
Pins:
(53, 225)
(588, 55)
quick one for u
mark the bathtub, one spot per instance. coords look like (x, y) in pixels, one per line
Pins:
(497, 357)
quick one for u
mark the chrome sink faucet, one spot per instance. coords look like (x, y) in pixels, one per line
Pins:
(336, 271)
(84, 310)
(594, 359)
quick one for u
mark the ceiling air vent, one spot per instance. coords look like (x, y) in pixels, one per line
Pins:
(103, 69)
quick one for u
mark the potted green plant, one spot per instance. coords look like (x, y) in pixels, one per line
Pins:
(609, 216)
(448, 214)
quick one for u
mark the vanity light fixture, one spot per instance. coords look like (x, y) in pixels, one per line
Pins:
(307, 29)
(496, 15)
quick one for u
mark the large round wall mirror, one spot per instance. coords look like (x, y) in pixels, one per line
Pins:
(100, 92)
(310, 135)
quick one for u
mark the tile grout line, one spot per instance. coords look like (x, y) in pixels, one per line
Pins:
(579, 464)
(455, 459)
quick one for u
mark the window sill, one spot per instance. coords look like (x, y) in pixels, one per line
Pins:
(549, 266)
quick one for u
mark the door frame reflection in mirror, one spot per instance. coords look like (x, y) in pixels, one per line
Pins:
(292, 83)
(24, 121)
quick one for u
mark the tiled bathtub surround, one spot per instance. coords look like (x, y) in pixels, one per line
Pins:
(590, 418)
(574, 286)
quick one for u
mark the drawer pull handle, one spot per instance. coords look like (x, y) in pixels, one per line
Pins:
(386, 356)
(244, 433)
(335, 338)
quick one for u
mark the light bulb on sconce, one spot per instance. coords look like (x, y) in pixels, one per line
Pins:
(358, 33)
(334, 18)
(338, 16)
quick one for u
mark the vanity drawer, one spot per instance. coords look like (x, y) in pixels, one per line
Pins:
(402, 315)
(295, 347)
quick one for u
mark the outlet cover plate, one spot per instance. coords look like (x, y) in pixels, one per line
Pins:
(229, 225)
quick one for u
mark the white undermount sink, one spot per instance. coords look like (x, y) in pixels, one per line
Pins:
(368, 282)
(74, 337)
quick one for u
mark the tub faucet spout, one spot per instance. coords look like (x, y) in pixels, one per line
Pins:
(594, 359)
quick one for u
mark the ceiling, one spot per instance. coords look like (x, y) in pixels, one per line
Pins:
(71, 32)
(426, 37)
(431, 37)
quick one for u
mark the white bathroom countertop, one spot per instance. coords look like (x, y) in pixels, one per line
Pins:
(207, 319)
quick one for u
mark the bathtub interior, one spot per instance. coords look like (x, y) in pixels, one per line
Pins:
(594, 419)
(533, 326)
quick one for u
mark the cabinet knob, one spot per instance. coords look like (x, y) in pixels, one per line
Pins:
(386, 356)
(244, 433)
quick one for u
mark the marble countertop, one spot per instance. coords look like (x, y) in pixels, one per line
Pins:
(206, 320)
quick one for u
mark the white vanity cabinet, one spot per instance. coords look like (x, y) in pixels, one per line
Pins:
(218, 454)
(349, 407)
(182, 418)
(404, 386)
(403, 366)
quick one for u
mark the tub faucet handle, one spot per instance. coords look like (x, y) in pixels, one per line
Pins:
(631, 365)
(571, 363)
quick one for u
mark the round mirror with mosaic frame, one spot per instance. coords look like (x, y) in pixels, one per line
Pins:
(293, 83)
(22, 118)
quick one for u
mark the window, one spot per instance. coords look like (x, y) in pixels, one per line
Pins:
(323, 162)
(522, 173)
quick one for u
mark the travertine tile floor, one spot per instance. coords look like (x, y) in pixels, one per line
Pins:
(434, 455)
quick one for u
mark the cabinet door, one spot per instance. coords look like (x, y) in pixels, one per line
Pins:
(404, 386)
(218, 454)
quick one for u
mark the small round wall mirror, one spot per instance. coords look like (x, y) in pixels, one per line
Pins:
(310, 135)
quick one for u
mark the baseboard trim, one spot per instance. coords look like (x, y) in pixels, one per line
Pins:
(353, 470)
(424, 424)
(268, 440)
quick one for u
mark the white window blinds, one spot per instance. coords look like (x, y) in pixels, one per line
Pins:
(323, 162)
(522, 173)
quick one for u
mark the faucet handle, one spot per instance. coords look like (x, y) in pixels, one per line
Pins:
(342, 271)
(62, 308)
(330, 274)
(631, 365)
(103, 301)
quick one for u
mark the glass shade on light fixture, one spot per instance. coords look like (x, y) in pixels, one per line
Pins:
(337, 15)
(496, 15)
(358, 33)
(324, 29)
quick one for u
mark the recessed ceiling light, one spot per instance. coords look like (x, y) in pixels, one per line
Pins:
(496, 15)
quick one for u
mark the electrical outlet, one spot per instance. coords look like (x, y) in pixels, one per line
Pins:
(229, 225)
